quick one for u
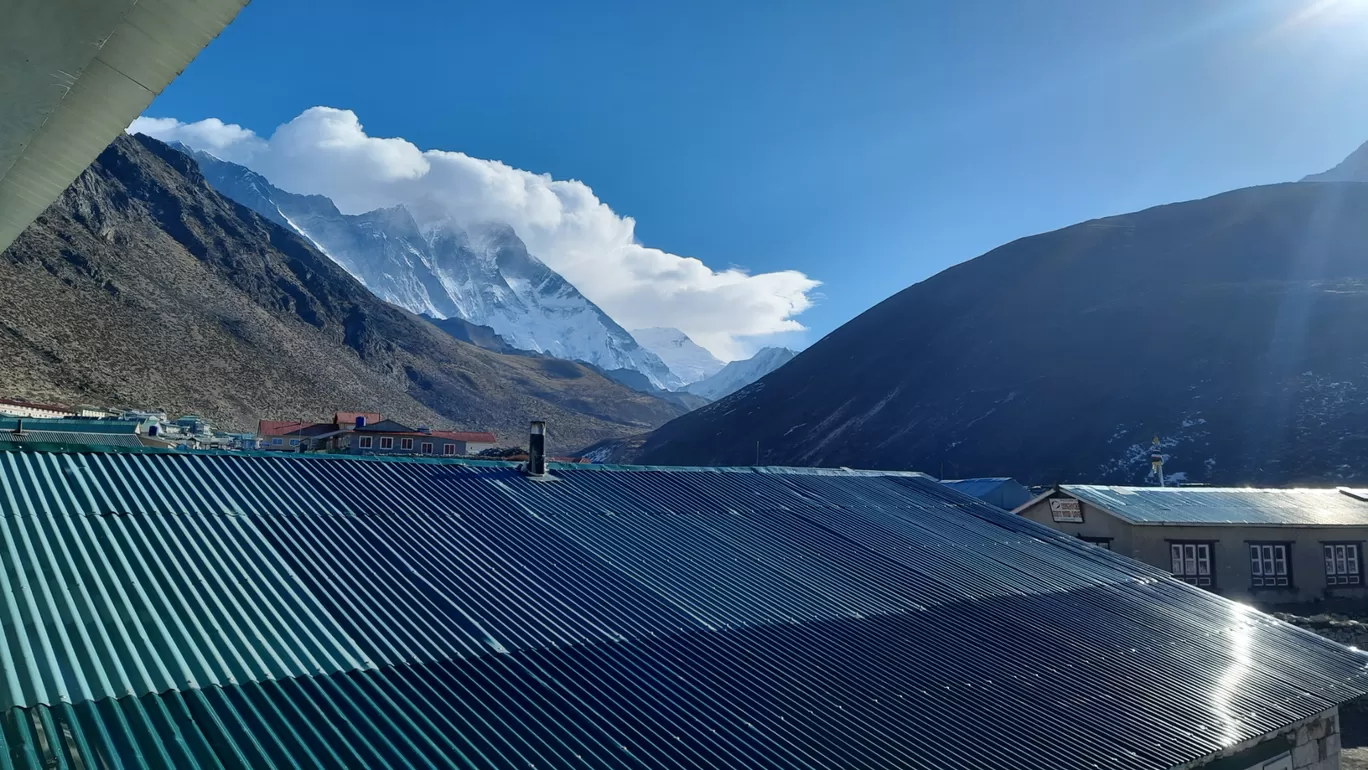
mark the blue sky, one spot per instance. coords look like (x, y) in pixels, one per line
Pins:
(867, 145)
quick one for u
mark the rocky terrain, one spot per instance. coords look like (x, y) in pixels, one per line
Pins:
(143, 287)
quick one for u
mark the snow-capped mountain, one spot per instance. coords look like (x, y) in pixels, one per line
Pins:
(738, 374)
(687, 359)
(483, 274)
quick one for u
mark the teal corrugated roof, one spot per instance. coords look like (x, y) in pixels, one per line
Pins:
(69, 425)
(219, 610)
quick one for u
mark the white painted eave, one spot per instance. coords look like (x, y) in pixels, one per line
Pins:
(74, 74)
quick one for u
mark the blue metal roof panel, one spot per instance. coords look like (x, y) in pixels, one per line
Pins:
(1227, 505)
(262, 611)
(976, 487)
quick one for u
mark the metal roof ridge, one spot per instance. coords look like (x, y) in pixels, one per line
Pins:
(1199, 489)
(472, 462)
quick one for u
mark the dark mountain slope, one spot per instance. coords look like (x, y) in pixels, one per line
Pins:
(1352, 169)
(143, 287)
(1231, 327)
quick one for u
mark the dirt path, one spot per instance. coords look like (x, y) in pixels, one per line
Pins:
(1354, 759)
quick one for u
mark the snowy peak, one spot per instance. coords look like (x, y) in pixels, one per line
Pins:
(395, 221)
(482, 274)
(1352, 169)
(738, 374)
(494, 281)
(689, 361)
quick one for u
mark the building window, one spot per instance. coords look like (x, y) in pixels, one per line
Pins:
(1104, 542)
(1192, 563)
(365, 442)
(405, 443)
(1343, 567)
(277, 441)
(425, 447)
(386, 442)
(1268, 565)
(449, 449)
(294, 442)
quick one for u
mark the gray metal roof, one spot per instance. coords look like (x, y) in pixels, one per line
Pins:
(1227, 505)
(69, 424)
(70, 439)
(218, 610)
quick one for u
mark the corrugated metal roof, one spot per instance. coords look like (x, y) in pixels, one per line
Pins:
(1004, 492)
(976, 487)
(1227, 505)
(69, 439)
(69, 424)
(254, 611)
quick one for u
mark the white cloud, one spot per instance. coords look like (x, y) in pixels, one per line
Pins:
(327, 151)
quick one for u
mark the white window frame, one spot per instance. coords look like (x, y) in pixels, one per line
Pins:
(425, 448)
(406, 443)
(448, 449)
(1270, 565)
(277, 441)
(294, 442)
(365, 442)
(1192, 562)
(1343, 564)
(386, 442)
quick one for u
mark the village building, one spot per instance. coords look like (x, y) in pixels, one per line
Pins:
(272, 434)
(222, 609)
(1266, 546)
(17, 408)
(368, 433)
(389, 437)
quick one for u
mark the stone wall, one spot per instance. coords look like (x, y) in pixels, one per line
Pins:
(1318, 744)
(1313, 744)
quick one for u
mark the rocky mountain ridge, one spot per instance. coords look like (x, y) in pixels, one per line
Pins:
(142, 287)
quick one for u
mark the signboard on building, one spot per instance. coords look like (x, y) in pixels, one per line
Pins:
(1066, 509)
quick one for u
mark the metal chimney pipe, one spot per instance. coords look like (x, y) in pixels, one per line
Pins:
(536, 449)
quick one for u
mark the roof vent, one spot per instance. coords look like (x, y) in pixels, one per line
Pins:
(18, 432)
(536, 450)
